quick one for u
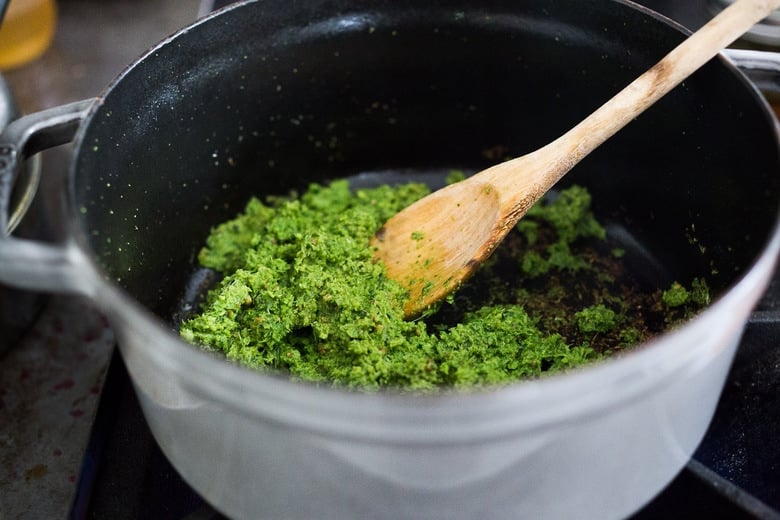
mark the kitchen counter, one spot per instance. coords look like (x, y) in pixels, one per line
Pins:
(50, 382)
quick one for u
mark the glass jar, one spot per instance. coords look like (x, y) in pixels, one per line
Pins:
(26, 32)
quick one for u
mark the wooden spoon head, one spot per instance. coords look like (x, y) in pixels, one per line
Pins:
(432, 246)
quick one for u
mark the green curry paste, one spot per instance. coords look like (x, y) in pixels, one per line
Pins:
(301, 295)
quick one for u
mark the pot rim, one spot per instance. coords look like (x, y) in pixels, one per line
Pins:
(468, 417)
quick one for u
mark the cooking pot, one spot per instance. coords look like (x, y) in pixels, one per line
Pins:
(266, 96)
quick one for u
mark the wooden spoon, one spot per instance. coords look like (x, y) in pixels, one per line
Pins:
(432, 246)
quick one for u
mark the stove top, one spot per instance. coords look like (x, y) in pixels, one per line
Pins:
(734, 474)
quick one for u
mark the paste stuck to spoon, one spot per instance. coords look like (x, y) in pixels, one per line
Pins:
(301, 294)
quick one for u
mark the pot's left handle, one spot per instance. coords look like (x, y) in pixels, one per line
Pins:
(30, 264)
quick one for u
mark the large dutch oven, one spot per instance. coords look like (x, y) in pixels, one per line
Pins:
(266, 96)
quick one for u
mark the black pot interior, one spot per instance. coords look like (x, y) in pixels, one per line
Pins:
(270, 96)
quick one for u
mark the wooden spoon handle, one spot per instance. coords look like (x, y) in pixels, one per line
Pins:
(691, 54)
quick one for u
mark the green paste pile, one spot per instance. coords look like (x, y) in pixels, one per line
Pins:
(301, 295)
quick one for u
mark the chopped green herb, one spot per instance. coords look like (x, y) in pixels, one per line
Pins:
(595, 319)
(301, 294)
(676, 295)
(455, 176)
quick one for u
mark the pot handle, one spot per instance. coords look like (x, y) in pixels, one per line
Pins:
(25, 263)
(761, 67)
